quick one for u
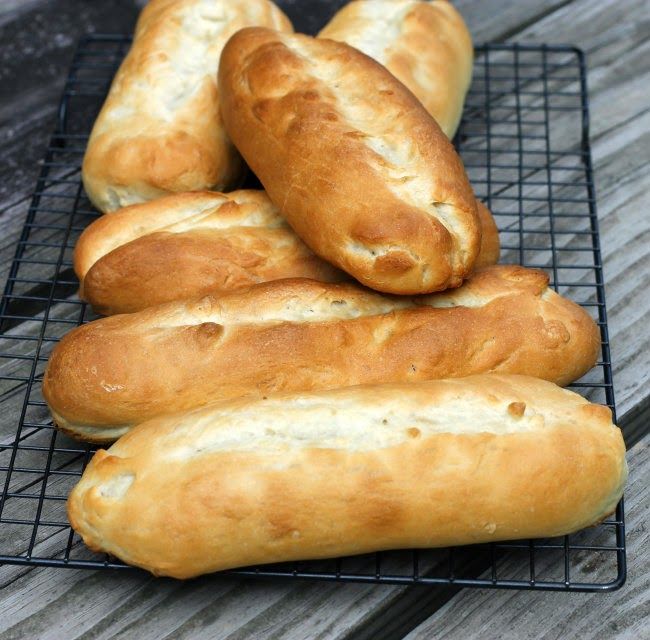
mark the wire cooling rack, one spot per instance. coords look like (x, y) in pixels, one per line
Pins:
(525, 142)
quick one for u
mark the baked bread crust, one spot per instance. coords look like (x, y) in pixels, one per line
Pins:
(294, 335)
(189, 245)
(355, 163)
(425, 45)
(490, 250)
(160, 129)
(349, 471)
(194, 244)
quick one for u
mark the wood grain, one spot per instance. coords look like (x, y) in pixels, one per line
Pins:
(38, 603)
(38, 40)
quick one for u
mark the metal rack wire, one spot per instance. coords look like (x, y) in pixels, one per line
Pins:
(525, 142)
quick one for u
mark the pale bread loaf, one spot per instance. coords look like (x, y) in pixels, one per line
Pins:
(426, 45)
(314, 475)
(160, 130)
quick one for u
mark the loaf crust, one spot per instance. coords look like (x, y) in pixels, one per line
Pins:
(193, 244)
(355, 163)
(294, 335)
(315, 475)
(160, 130)
(425, 45)
(490, 250)
(186, 246)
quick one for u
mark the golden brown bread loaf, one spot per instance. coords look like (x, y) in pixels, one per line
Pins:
(160, 130)
(349, 471)
(425, 45)
(186, 246)
(355, 163)
(294, 335)
(193, 244)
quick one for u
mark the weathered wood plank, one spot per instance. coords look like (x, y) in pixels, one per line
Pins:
(37, 42)
(10, 9)
(490, 22)
(620, 143)
(119, 605)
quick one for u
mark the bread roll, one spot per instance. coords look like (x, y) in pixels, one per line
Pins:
(191, 244)
(295, 335)
(425, 45)
(188, 245)
(159, 130)
(316, 475)
(355, 163)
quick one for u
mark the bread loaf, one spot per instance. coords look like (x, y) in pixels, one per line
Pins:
(188, 245)
(425, 45)
(355, 163)
(160, 130)
(293, 335)
(315, 475)
(193, 244)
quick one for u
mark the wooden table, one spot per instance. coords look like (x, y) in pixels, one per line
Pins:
(37, 38)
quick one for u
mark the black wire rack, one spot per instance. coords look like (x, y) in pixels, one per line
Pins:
(525, 142)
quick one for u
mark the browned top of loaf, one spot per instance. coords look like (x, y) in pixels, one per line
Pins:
(189, 245)
(355, 163)
(349, 471)
(160, 129)
(290, 335)
(426, 45)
